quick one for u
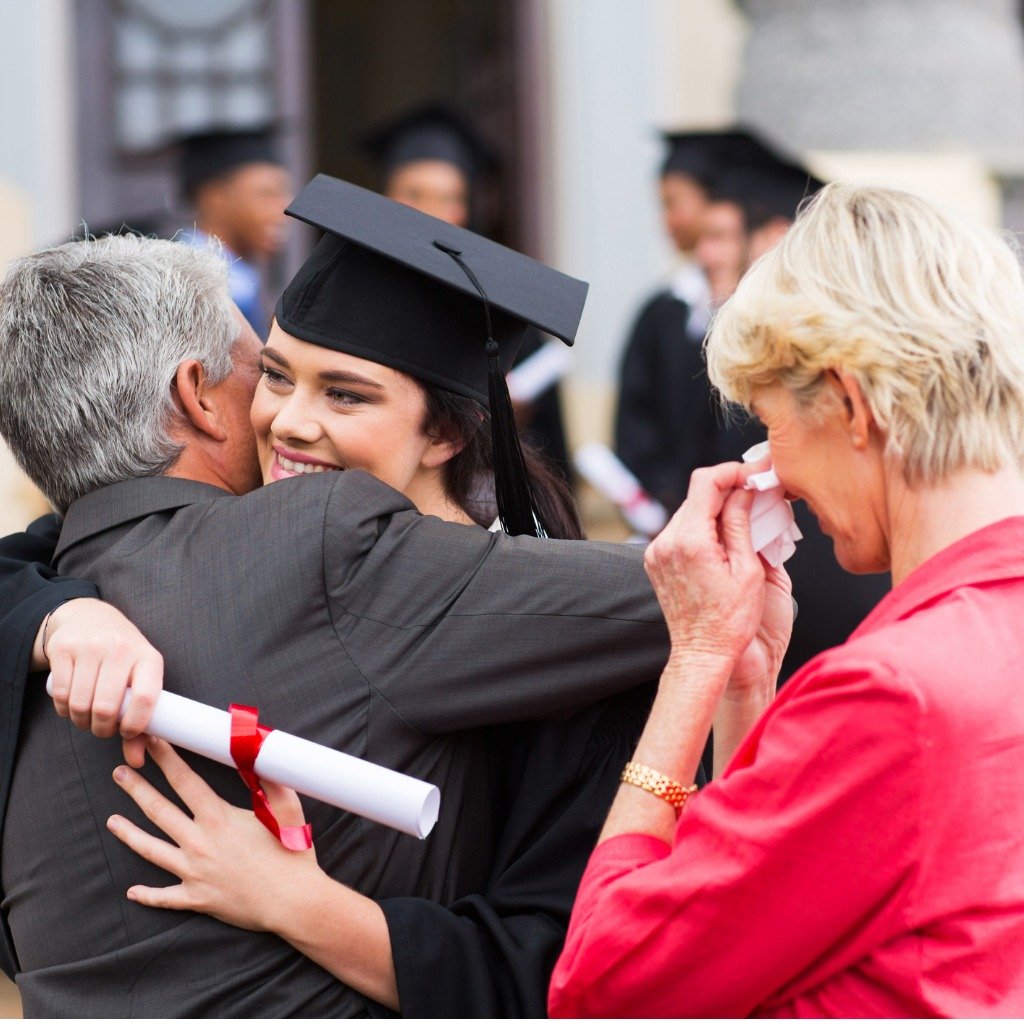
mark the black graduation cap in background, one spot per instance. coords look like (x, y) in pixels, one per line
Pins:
(209, 154)
(693, 154)
(707, 155)
(433, 131)
(398, 287)
(767, 186)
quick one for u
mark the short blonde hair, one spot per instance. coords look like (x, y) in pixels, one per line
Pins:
(925, 312)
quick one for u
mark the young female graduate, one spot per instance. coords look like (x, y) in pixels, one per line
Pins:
(348, 385)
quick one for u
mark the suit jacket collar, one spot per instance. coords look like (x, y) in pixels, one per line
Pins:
(122, 502)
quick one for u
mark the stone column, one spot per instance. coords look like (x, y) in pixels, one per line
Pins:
(887, 75)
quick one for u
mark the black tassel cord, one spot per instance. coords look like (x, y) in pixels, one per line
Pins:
(516, 509)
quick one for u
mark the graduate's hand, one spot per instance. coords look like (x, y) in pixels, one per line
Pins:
(94, 654)
(230, 866)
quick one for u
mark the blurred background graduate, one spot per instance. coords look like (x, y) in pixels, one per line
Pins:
(236, 186)
(434, 159)
(666, 423)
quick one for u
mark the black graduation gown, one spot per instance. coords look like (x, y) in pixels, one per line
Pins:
(492, 954)
(667, 423)
(551, 783)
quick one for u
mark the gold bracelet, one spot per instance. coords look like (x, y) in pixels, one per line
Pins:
(672, 792)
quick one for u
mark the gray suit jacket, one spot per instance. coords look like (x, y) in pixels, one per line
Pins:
(347, 618)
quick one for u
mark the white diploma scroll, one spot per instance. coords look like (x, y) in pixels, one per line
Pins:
(533, 376)
(772, 528)
(600, 467)
(341, 780)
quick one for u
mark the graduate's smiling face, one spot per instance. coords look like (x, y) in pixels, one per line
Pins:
(321, 411)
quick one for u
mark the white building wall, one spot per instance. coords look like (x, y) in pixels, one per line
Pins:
(37, 158)
(37, 168)
(618, 70)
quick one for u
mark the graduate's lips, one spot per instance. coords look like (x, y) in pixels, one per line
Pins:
(288, 463)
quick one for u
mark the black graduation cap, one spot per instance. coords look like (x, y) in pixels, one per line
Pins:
(434, 131)
(209, 154)
(773, 186)
(692, 154)
(705, 155)
(396, 286)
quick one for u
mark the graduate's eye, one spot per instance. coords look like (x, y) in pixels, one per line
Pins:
(273, 378)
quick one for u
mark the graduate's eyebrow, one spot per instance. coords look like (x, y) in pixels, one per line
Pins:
(328, 376)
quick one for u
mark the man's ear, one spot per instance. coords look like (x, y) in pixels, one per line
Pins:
(194, 400)
(858, 419)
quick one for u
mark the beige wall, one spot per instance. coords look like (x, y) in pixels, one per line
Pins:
(958, 181)
(700, 49)
(37, 167)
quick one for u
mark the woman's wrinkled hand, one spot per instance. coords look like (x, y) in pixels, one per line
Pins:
(230, 866)
(94, 655)
(709, 581)
(757, 670)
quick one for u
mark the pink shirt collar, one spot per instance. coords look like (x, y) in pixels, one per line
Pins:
(993, 553)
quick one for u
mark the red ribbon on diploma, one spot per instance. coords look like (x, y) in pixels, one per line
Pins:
(247, 736)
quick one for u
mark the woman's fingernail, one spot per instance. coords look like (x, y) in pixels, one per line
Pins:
(131, 894)
(120, 773)
(114, 822)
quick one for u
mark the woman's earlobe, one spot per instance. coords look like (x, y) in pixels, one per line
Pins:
(858, 412)
(443, 451)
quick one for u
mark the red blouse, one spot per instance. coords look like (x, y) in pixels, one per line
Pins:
(863, 853)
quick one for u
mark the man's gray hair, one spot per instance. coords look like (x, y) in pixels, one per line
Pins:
(91, 335)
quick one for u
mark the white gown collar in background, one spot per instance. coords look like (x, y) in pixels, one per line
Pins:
(690, 286)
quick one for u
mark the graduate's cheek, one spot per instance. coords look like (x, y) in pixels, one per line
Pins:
(261, 415)
(374, 439)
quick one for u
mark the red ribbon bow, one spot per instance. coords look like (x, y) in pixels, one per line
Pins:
(247, 736)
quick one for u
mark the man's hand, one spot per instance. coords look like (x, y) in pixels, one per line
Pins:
(94, 654)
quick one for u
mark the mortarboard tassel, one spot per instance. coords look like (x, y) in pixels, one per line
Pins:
(512, 491)
(511, 478)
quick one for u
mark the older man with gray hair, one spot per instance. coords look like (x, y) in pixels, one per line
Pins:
(146, 314)
(126, 377)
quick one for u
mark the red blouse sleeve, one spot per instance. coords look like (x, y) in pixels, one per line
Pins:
(790, 867)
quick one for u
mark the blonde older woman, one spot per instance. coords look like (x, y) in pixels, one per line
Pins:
(862, 854)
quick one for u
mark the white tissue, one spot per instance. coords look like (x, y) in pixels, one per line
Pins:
(773, 530)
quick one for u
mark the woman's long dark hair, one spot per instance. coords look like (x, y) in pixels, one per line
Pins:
(469, 476)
